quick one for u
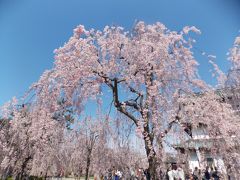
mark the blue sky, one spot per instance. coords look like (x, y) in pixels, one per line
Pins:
(31, 29)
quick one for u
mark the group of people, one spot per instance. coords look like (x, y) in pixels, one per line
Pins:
(140, 174)
(173, 173)
(208, 173)
(113, 174)
(177, 173)
(129, 174)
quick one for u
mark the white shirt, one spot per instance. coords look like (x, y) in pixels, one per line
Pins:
(170, 175)
(175, 173)
(119, 174)
(181, 173)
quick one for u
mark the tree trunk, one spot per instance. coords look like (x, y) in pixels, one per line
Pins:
(21, 174)
(151, 155)
(88, 165)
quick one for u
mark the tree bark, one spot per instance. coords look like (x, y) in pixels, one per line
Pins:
(22, 173)
(88, 165)
(151, 155)
(148, 136)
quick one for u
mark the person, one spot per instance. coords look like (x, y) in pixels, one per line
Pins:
(102, 177)
(110, 176)
(170, 174)
(207, 174)
(113, 173)
(191, 176)
(96, 177)
(140, 174)
(61, 174)
(230, 174)
(215, 174)
(118, 175)
(106, 176)
(180, 173)
(174, 171)
(147, 174)
(127, 174)
(211, 172)
(132, 174)
(166, 174)
(196, 173)
(200, 174)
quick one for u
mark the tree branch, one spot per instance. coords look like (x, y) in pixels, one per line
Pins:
(119, 105)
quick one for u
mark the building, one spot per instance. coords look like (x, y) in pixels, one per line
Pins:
(198, 149)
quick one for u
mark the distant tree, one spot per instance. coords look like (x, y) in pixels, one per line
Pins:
(233, 77)
(32, 137)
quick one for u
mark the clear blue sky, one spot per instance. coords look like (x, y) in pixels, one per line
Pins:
(31, 29)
